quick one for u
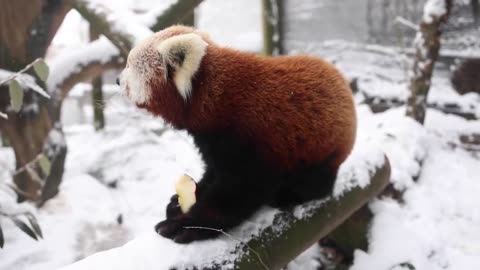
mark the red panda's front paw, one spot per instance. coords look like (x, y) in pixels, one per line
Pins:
(173, 208)
(168, 228)
(179, 232)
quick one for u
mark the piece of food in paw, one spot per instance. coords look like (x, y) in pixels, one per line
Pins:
(185, 189)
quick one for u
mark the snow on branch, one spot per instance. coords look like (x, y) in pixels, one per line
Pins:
(268, 240)
(161, 17)
(435, 9)
(86, 62)
(121, 29)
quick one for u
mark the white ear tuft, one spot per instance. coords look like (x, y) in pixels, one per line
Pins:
(184, 53)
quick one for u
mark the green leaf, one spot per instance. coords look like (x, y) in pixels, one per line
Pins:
(42, 70)
(24, 227)
(2, 240)
(16, 95)
(45, 164)
(33, 222)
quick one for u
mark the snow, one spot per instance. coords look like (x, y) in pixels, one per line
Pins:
(433, 9)
(71, 61)
(357, 170)
(234, 24)
(437, 227)
(122, 21)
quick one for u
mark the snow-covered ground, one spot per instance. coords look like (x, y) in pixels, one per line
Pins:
(118, 181)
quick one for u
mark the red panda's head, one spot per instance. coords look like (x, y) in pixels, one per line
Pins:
(159, 71)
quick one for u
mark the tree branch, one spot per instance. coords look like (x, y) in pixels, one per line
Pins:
(104, 21)
(85, 64)
(176, 13)
(277, 249)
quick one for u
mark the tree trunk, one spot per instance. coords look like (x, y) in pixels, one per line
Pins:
(26, 29)
(475, 11)
(427, 45)
(98, 103)
(272, 11)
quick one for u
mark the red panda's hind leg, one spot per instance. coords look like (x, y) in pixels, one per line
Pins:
(305, 184)
(235, 185)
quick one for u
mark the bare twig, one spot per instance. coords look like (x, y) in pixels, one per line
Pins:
(23, 168)
(233, 238)
(401, 20)
(16, 74)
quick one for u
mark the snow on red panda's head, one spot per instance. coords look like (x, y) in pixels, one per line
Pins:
(160, 70)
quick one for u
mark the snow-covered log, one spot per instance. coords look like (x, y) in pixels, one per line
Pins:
(427, 47)
(292, 232)
(470, 111)
(268, 240)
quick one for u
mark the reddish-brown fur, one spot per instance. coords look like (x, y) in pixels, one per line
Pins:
(297, 110)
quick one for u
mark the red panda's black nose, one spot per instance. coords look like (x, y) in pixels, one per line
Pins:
(117, 81)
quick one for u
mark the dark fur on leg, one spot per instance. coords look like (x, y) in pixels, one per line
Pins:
(305, 184)
(235, 184)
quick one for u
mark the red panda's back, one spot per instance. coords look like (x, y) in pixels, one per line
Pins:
(297, 110)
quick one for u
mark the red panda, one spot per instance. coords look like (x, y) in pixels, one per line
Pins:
(271, 130)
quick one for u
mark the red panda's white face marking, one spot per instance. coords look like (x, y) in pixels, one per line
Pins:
(151, 62)
(142, 65)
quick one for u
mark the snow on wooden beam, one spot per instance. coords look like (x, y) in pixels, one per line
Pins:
(274, 249)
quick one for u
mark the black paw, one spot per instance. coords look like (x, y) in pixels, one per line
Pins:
(199, 223)
(181, 233)
(168, 228)
(173, 208)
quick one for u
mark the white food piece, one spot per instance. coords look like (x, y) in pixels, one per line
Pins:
(185, 189)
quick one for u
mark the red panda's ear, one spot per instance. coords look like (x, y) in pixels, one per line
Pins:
(183, 54)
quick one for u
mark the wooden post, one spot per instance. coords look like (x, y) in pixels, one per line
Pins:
(427, 46)
(272, 14)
